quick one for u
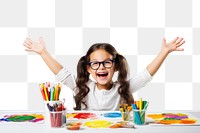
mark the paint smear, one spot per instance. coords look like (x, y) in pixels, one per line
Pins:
(81, 115)
(98, 124)
(23, 118)
(112, 115)
(172, 118)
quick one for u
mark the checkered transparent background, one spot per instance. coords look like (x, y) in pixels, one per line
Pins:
(70, 27)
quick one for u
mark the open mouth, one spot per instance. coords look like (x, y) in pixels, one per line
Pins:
(102, 74)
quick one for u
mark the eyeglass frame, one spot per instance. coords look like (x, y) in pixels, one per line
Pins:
(101, 62)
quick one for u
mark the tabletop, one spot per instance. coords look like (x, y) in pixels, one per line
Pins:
(28, 127)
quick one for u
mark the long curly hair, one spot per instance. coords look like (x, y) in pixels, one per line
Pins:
(83, 76)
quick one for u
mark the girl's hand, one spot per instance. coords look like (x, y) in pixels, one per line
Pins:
(173, 45)
(34, 46)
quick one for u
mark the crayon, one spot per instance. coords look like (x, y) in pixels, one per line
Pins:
(144, 104)
(48, 92)
(51, 94)
(145, 107)
(45, 92)
(140, 104)
(42, 92)
(56, 92)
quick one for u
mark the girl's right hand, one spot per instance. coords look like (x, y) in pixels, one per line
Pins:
(34, 46)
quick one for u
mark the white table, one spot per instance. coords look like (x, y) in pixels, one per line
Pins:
(26, 127)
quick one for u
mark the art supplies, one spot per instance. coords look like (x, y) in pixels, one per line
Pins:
(125, 111)
(74, 125)
(81, 115)
(106, 119)
(112, 115)
(172, 119)
(57, 118)
(139, 110)
(50, 93)
(98, 123)
(122, 125)
(55, 105)
(55, 113)
(35, 118)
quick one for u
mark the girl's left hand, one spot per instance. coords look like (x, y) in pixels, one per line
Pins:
(173, 45)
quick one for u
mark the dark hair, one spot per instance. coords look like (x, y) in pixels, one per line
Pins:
(83, 76)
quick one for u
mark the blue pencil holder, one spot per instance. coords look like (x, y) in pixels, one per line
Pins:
(139, 117)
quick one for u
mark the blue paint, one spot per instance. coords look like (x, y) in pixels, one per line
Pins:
(3, 119)
(112, 115)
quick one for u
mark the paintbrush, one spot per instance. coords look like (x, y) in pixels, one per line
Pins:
(127, 126)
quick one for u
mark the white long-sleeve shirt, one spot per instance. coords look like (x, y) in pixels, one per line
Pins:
(104, 99)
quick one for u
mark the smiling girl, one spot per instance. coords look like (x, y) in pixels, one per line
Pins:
(101, 62)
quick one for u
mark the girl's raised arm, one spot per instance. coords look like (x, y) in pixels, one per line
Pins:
(39, 48)
(165, 50)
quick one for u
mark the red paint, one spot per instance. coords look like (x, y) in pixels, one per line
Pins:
(84, 115)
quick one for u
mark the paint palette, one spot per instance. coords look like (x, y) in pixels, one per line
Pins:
(172, 119)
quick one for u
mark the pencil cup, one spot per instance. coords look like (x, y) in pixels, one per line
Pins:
(139, 117)
(52, 106)
(56, 118)
(125, 116)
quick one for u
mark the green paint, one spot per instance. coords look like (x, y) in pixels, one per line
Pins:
(21, 118)
(170, 119)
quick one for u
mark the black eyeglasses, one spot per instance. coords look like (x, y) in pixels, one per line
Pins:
(95, 64)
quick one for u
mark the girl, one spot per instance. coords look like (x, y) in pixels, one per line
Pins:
(102, 61)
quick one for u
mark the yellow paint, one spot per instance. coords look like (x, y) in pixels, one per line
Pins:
(71, 115)
(98, 124)
(38, 115)
(155, 116)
